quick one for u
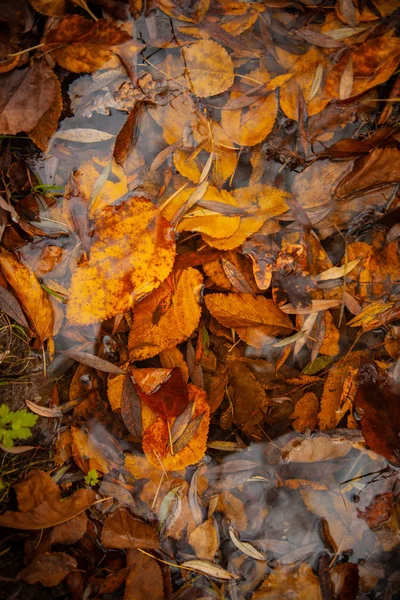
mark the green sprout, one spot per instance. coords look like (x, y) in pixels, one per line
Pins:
(15, 425)
(92, 478)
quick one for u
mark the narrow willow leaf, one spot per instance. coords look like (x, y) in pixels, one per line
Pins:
(337, 272)
(208, 568)
(316, 84)
(44, 411)
(187, 435)
(90, 360)
(83, 135)
(246, 547)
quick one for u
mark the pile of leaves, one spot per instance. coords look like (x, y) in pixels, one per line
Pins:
(199, 295)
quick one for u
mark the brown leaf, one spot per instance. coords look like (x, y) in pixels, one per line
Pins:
(93, 361)
(70, 532)
(379, 511)
(305, 413)
(131, 408)
(39, 500)
(49, 569)
(256, 319)
(249, 399)
(145, 578)
(205, 540)
(10, 305)
(51, 8)
(17, 112)
(377, 405)
(34, 300)
(83, 46)
(124, 530)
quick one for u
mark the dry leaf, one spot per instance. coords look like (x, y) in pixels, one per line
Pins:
(205, 540)
(209, 68)
(305, 413)
(145, 578)
(149, 335)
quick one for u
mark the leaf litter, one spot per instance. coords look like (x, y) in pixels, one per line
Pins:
(199, 307)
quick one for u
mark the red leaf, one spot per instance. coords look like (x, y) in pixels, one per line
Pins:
(170, 399)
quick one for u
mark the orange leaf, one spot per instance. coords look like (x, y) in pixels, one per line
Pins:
(150, 334)
(132, 253)
(156, 444)
(34, 300)
(255, 319)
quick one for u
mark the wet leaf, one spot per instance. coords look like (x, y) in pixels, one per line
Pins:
(83, 46)
(49, 569)
(168, 399)
(256, 319)
(156, 442)
(124, 530)
(18, 87)
(145, 578)
(205, 540)
(148, 336)
(209, 68)
(33, 299)
(41, 506)
(131, 408)
(84, 136)
(136, 236)
(210, 569)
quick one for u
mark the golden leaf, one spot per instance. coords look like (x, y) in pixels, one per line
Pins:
(113, 189)
(132, 253)
(338, 395)
(204, 540)
(151, 334)
(261, 202)
(87, 454)
(250, 126)
(305, 413)
(156, 443)
(209, 68)
(330, 345)
(255, 319)
(34, 300)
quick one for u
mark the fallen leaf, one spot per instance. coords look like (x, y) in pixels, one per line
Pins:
(183, 11)
(18, 87)
(338, 395)
(70, 532)
(41, 509)
(209, 68)
(305, 413)
(379, 511)
(83, 46)
(124, 530)
(299, 579)
(145, 578)
(210, 569)
(49, 569)
(33, 299)
(93, 361)
(168, 399)
(147, 338)
(156, 444)
(135, 236)
(256, 319)
(205, 540)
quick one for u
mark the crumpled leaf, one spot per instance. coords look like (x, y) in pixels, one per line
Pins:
(83, 46)
(155, 328)
(49, 569)
(33, 299)
(131, 254)
(255, 319)
(156, 444)
(124, 530)
(17, 88)
(41, 506)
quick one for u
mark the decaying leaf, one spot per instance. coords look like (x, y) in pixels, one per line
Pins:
(49, 569)
(124, 530)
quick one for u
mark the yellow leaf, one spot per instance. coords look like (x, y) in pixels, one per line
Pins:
(155, 329)
(33, 299)
(330, 345)
(186, 166)
(205, 220)
(156, 444)
(114, 188)
(204, 540)
(250, 126)
(132, 253)
(261, 202)
(87, 454)
(209, 68)
(255, 319)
